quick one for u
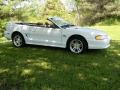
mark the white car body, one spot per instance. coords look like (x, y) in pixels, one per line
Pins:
(57, 37)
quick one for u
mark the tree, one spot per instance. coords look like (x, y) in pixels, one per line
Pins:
(55, 8)
(5, 13)
(95, 10)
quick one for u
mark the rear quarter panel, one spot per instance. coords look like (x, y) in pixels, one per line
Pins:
(12, 27)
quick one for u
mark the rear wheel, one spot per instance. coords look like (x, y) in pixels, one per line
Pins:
(18, 40)
(77, 45)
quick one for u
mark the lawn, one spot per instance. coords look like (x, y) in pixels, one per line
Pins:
(45, 68)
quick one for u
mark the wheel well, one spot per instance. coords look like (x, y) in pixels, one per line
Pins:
(16, 32)
(76, 36)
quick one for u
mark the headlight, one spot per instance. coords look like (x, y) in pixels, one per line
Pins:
(101, 37)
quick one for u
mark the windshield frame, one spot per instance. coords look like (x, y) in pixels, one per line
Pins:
(60, 22)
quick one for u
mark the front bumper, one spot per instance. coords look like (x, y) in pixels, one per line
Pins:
(99, 44)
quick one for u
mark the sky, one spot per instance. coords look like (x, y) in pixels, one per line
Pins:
(69, 4)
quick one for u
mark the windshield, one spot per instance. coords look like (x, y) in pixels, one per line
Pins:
(61, 22)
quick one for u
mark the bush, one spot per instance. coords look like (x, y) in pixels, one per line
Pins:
(2, 26)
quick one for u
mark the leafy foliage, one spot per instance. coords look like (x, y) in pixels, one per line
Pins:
(93, 11)
(5, 13)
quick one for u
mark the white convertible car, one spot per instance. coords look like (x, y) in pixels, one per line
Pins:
(59, 33)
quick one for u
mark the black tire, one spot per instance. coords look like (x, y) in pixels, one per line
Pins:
(18, 43)
(81, 41)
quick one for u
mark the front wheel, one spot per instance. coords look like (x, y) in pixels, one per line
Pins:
(18, 40)
(77, 45)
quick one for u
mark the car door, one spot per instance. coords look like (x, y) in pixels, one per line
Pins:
(45, 36)
(53, 36)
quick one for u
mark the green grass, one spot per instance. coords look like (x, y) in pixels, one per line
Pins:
(45, 68)
(113, 31)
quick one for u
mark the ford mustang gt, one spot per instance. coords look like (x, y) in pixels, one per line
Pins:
(57, 33)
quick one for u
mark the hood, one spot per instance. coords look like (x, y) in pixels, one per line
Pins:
(87, 30)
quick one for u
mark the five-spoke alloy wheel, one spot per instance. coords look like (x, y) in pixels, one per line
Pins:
(77, 45)
(18, 40)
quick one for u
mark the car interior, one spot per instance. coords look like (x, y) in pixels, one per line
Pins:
(39, 24)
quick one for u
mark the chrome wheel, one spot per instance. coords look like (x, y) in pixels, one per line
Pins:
(17, 41)
(76, 46)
